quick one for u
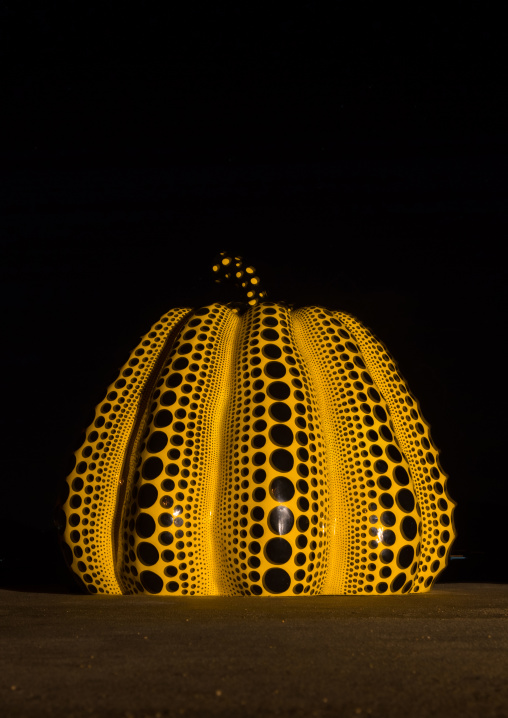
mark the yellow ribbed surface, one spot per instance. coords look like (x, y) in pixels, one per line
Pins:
(413, 433)
(270, 452)
(94, 483)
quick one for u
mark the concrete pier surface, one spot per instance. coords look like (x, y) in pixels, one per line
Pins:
(444, 653)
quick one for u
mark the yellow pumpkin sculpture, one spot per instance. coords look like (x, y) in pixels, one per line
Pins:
(257, 452)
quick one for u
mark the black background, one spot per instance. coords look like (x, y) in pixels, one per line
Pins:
(356, 159)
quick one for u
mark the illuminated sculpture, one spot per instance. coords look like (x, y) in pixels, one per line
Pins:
(256, 452)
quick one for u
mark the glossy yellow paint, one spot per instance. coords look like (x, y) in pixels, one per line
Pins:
(266, 452)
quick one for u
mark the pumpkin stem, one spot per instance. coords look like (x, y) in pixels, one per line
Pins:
(232, 269)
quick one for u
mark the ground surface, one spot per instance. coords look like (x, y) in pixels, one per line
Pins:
(442, 653)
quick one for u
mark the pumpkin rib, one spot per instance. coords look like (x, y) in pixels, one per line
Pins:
(436, 513)
(90, 507)
(361, 561)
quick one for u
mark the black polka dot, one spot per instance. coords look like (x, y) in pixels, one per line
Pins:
(398, 582)
(172, 586)
(406, 556)
(145, 525)
(386, 555)
(393, 453)
(388, 518)
(302, 486)
(259, 494)
(401, 476)
(151, 582)
(276, 580)
(168, 398)
(269, 335)
(147, 496)
(185, 348)
(302, 523)
(157, 442)
(152, 468)
(278, 390)
(280, 520)
(259, 476)
(282, 489)
(405, 500)
(147, 553)
(174, 380)
(408, 528)
(280, 411)
(271, 351)
(388, 537)
(278, 550)
(380, 413)
(165, 538)
(281, 460)
(386, 501)
(275, 369)
(380, 466)
(382, 587)
(163, 418)
(373, 394)
(281, 435)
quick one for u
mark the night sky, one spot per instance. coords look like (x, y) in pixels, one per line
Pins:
(358, 161)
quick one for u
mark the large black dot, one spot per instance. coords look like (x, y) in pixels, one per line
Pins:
(145, 525)
(270, 335)
(271, 351)
(282, 489)
(278, 550)
(147, 496)
(405, 500)
(398, 582)
(281, 520)
(152, 468)
(401, 476)
(163, 418)
(147, 553)
(281, 460)
(278, 390)
(280, 411)
(388, 518)
(380, 466)
(168, 398)
(275, 369)
(281, 435)
(151, 582)
(174, 379)
(156, 442)
(408, 528)
(388, 537)
(386, 555)
(259, 476)
(386, 501)
(380, 413)
(406, 556)
(276, 580)
(393, 453)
